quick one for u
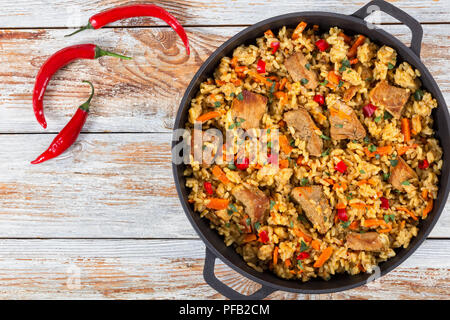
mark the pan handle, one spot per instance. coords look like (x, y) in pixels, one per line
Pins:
(211, 279)
(402, 16)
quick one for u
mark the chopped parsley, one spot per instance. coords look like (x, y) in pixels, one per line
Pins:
(291, 224)
(292, 143)
(406, 183)
(304, 182)
(227, 224)
(303, 246)
(346, 63)
(325, 153)
(232, 207)
(377, 119)
(390, 66)
(394, 162)
(236, 124)
(217, 104)
(269, 144)
(240, 96)
(377, 156)
(324, 137)
(272, 203)
(308, 66)
(257, 226)
(362, 171)
(301, 218)
(231, 166)
(341, 83)
(418, 95)
(304, 81)
(248, 221)
(300, 265)
(324, 82)
(366, 139)
(346, 224)
(339, 125)
(388, 217)
(386, 176)
(387, 116)
(372, 148)
(232, 94)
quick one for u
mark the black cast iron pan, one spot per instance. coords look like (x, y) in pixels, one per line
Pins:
(351, 24)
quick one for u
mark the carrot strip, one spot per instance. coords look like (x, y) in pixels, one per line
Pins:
(208, 116)
(282, 96)
(315, 244)
(359, 205)
(368, 223)
(299, 29)
(240, 69)
(284, 145)
(217, 204)
(269, 33)
(287, 263)
(220, 82)
(354, 61)
(275, 255)
(424, 194)
(354, 49)
(402, 150)
(283, 83)
(219, 174)
(387, 230)
(428, 208)
(324, 256)
(341, 205)
(353, 225)
(234, 62)
(333, 78)
(408, 212)
(300, 234)
(284, 163)
(347, 39)
(406, 129)
(249, 238)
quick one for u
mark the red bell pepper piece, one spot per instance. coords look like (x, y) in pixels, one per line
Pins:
(342, 214)
(263, 237)
(303, 256)
(319, 99)
(369, 110)
(322, 45)
(261, 66)
(423, 164)
(384, 203)
(275, 45)
(341, 167)
(208, 187)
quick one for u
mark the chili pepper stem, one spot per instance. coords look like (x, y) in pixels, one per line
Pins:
(86, 27)
(85, 106)
(100, 53)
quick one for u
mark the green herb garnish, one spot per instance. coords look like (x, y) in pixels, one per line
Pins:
(257, 226)
(390, 66)
(386, 176)
(418, 95)
(324, 137)
(387, 116)
(377, 119)
(217, 104)
(308, 66)
(341, 83)
(303, 246)
(232, 207)
(339, 125)
(325, 153)
(372, 148)
(272, 203)
(394, 162)
(406, 183)
(304, 81)
(248, 221)
(231, 166)
(240, 96)
(304, 182)
(346, 224)
(300, 265)
(324, 82)
(388, 217)
(362, 171)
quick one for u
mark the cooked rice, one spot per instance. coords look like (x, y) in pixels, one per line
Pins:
(286, 215)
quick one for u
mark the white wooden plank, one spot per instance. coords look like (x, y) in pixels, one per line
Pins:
(141, 95)
(74, 13)
(172, 269)
(106, 186)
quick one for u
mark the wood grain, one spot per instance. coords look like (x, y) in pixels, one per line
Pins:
(172, 269)
(105, 186)
(74, 13)
(141, 95)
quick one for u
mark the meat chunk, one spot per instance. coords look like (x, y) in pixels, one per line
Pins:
(297, 67)
(400, 173)
(369, 241)
(315, 205)
(344, 124)
(251, 108)
(389, 97)
(255, 201)
(305, 127)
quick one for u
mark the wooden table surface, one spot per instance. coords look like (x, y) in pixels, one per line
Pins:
(103, 220)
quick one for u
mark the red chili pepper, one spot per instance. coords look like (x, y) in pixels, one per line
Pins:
(261, 66)
(342, 214)
(57, 61)
(275, 45)
(322, 44)
(341, 166)
(319, 99)
(423, 164)
(69, 133)
(263, 237)
(242, 164)
(303, 256)
(136, 10)
(384, 203)
(208, 187)
(369, 110)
